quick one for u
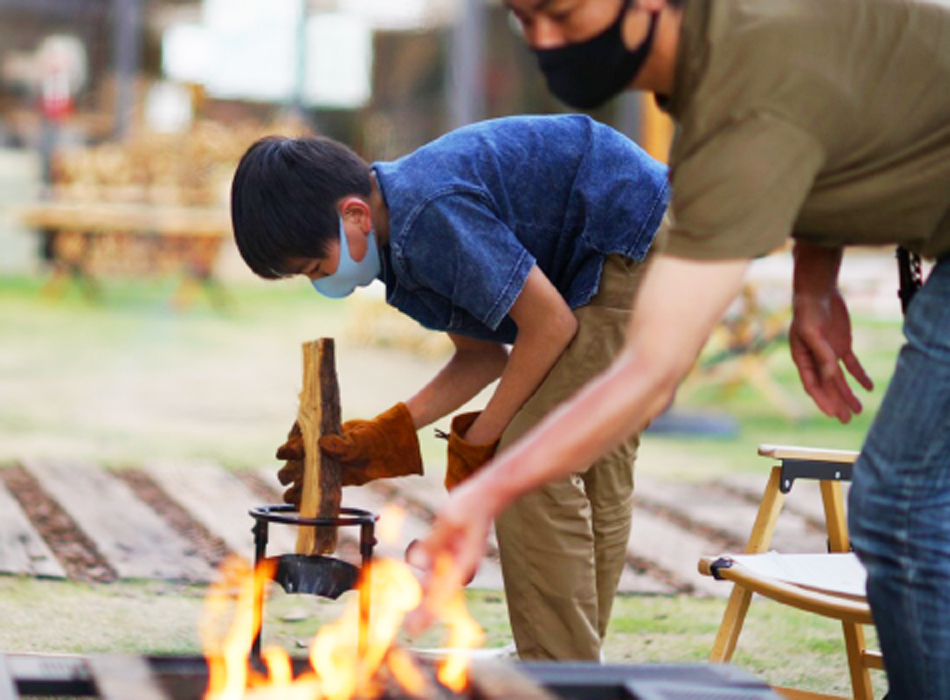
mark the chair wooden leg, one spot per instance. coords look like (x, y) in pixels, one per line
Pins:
(855, 645)
(769, 508)
(760, 539)
(731, 626)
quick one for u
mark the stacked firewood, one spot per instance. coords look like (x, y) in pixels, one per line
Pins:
(188, 169)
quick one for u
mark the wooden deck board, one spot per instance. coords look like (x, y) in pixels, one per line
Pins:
(134, 539)
(800, 527)
(673, 550)
(728, 513)
(220, 502)
(22, 549)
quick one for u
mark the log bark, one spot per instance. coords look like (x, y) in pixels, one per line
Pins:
(318, 415)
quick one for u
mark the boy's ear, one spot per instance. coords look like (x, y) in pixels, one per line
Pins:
(354, 208)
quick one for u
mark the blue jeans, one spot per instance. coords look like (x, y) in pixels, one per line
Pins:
(899, 507)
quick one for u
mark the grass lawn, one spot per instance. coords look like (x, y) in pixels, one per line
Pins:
(131, 378)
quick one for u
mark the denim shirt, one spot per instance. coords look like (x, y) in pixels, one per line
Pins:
(472, 212)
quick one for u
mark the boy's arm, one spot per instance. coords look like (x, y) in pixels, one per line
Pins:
(546, 326)
(474, 365)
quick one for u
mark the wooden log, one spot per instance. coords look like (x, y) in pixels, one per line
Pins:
(318, 415)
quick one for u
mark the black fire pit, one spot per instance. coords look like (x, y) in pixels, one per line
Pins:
(185, 678)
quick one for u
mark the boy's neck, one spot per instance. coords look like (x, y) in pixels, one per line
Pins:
(379, 213)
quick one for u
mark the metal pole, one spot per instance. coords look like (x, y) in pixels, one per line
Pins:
(467, 65)
(260, 531)
(127, 26)
(300, 66)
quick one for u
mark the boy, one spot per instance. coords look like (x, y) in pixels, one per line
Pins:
(527, 232)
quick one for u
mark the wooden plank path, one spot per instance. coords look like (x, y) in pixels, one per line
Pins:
(22, 549)
(674, 522)
(131, 536)
(673, 551)
(220, 502)
(803, 501)
(724, 512)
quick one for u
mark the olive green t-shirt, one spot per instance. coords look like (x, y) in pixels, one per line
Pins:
(827, 120)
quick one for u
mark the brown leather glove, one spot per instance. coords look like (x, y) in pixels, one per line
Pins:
(465, 458)
(382, 448)
(292, 471)
(386, 446)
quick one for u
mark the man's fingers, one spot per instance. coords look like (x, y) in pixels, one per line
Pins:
(856, 369)
(826, 391)
(811, 378)
(443, 580)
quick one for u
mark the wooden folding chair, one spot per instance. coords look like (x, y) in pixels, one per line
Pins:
(830, 468)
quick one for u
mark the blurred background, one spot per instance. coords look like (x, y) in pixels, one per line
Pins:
(151, 101)
(121, 122)
(129, 326)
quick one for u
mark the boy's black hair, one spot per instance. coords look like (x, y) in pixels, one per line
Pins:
(284, 196)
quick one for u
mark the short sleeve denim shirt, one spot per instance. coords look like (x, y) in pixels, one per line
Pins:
(472, 212)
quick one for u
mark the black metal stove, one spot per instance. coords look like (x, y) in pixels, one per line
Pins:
(185, 678)
(318, 575)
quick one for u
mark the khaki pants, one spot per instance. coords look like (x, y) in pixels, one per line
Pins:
(563, 546)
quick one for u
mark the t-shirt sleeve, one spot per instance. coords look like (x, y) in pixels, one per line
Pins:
(738, 194)
(458, 248)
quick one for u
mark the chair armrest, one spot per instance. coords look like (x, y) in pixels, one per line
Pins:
(809, 454)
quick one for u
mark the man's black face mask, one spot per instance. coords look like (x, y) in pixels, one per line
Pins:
(587, 74)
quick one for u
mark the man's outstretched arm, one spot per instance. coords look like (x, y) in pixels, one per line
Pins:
(679, 304)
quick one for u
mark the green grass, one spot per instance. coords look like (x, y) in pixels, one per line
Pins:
(778, 644)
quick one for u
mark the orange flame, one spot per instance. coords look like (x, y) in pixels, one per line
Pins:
(464, 632)
(390, 524)
(227, 654)
(340, 670)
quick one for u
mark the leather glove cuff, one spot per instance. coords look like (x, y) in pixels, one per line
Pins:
(404, 441)
(464, 457)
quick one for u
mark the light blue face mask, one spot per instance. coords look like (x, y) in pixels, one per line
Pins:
(350, 274)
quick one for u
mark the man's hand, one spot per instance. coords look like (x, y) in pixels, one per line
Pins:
(820, 342)
(451, 553)
(384, 447)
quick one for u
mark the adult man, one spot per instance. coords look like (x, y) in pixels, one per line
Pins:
(827, 121)
(528, 231)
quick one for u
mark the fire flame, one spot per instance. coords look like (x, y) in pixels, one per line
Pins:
(340, 671)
